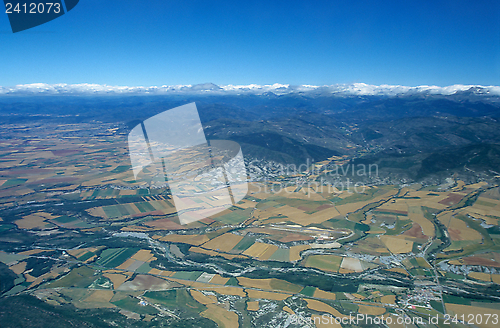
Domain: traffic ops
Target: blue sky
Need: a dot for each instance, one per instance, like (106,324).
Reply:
(158,42)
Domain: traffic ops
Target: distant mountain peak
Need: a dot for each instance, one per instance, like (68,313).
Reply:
(341,90)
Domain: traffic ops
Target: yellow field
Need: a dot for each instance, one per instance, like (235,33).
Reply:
(116,279)
(477,185)
(32,251)
(218,280)
(253,306)
(293,214)
(223,318)
(486,206)
(267,295)
(318,293)
(98,212)
(268,253)
(399,270)
(245,203)
(459,186)
(80,251)
(397,245)
(46,215)
(202,298)
(358,296)
(371,310)
(143,255)
(32,221)
(495,278)
(460,309)
(320,216)
(480,276)
(394,205)
(288,310)
(126,264)
(262,251)
(295,252)
(255,283)
(322,307)
(18,268)
(388,299)
(225,242)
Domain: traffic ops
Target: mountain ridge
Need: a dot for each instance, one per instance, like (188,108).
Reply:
(340,90)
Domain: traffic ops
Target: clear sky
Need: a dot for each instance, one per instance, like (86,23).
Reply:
(158,42)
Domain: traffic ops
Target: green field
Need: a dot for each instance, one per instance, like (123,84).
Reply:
(285,286)
(7,258)
(308,291)
(5,227)
(80,277)
(64,219)
(176,298)
(132,304)
(267,204)
(168,297)
(112,211)
(438,306)
(121,169)
(324,262)
(456,299)
(232,282)
(145,207)
(86,256)
(123,210)
(245,243)
(113,257)
(235,217)
(281,254)
(14,182)
(187,275)
(145,268)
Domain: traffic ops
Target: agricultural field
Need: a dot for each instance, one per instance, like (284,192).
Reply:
(116,244)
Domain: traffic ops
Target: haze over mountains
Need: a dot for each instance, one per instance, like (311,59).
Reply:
(355,89)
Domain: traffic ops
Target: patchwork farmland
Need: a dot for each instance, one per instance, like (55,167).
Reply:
(97,239)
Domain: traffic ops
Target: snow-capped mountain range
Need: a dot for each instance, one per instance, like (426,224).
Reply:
(355,89)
